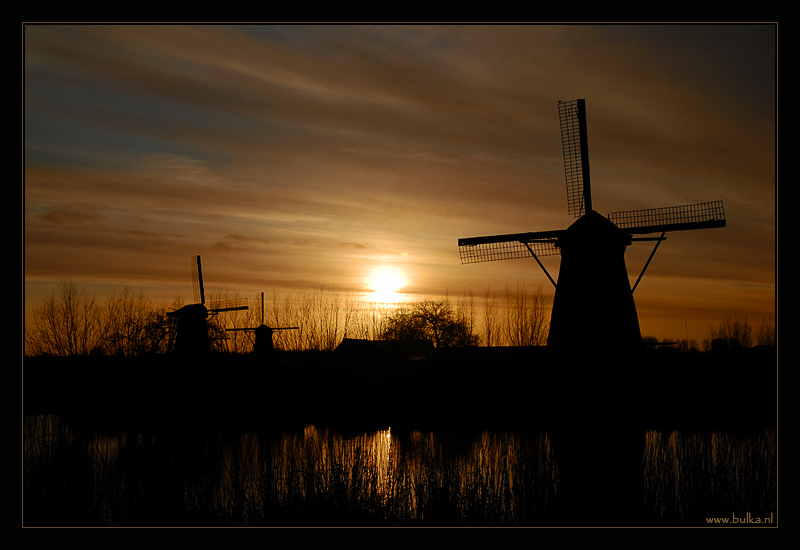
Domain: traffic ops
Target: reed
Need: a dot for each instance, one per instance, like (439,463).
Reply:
(75,476)
(307,477)
(691,476)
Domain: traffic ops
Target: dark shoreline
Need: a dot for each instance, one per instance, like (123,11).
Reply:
(472,387)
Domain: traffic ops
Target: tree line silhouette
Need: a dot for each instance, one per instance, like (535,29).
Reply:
(72,322)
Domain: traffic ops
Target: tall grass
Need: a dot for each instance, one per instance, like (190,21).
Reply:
(72,322)
(691,476)
(313,476)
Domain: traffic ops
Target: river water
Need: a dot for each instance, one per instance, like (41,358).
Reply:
(76,475)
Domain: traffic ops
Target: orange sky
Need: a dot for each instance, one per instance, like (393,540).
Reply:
(291,157)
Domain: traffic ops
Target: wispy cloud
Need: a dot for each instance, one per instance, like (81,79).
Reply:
(294,151)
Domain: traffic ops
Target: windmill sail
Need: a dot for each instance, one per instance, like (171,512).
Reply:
(197,281)
(672,218)
(574,142)
(475,250)
(228,305)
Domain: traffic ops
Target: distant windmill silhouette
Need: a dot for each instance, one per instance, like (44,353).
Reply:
(593,303)
(192,327)
(263,345)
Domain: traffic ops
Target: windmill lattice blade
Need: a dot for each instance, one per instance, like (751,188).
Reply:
(229,305)
(672,218)
(576,157)
(197,281)
(507,247)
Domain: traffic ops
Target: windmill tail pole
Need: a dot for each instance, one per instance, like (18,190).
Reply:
(653,253)
(538,261)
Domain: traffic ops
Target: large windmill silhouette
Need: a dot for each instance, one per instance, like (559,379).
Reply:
(593,303)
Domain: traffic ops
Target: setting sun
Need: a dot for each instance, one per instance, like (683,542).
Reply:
(386,279)
(386,282)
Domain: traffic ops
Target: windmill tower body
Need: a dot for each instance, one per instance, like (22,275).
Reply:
(263,344)
(192,329)
(593,303)
(593,306)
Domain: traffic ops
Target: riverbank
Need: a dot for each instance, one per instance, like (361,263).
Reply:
(472,387)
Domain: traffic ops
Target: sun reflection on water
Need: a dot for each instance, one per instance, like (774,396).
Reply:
(315,474)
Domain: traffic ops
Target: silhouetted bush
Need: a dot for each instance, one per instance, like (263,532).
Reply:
(735,333)
(433,321)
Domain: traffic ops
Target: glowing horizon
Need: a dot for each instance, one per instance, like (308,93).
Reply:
(303,157)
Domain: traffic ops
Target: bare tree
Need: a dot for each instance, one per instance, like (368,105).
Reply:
(156,331)
(366,320)
(766,333)
(465,310)
(490,320)
(736,332)
(321,316)
(329,312)
(284,312)
(66,323)
(126,318)
(526,317)
(432,321)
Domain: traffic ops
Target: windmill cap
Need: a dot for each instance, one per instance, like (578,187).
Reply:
(198,309)
(594,230)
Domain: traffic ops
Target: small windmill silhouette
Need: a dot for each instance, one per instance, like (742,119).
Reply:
(263,344)
(593,303)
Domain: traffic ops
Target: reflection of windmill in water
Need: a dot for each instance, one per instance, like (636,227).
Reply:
(593,302)
(191,335)
(263,345)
